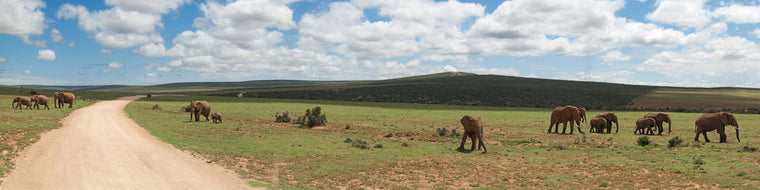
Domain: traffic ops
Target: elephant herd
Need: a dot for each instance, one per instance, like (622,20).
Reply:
(647,124)
(59,99)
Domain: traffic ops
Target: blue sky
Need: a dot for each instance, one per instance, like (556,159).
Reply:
(694,43)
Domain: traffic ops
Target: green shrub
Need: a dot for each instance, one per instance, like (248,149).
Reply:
(187,108)
(360,144)
(404,144)
(348,126)
(675,141)
(348,140)
(442,132)
(698,161)
(389,135)
(741,173)
(749,149)
(284,118)
(156,107)
(313,117)
(379,146)
(643,141)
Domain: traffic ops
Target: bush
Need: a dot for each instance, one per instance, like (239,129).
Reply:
(379,146)
(360,144)
(156,107)
(442,131)
(187,108)
(404,144)
(389,135)
(675,141)
(698,161)
(749,149)
(742,173)
(313,117)
(284,118)
(348,140)
(643,141)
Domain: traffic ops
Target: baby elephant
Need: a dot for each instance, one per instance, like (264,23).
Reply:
(473,128)
(598,124)
(216,116)
(645,123)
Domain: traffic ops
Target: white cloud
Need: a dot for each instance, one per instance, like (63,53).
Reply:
(3,59)
(689,13)
(55,34)
(27,72)
(577,28)
(118,27)
(148,6)
(106,51)
(739,14)
(719,62)
(151,50)
(23,18)
(115,65)
(603,76)
(152,75)
(756,32)
(45,55)
(615,56)
(415,26)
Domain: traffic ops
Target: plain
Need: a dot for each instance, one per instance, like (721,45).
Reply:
(414,154)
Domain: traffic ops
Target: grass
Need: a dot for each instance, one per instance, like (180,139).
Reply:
(521,154)
(699,98)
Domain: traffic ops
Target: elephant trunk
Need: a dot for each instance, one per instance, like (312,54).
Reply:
(737,134)
(669,128)
(617,127)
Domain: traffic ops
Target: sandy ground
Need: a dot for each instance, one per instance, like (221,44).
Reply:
(99,147)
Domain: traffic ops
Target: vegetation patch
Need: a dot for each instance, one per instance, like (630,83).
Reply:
(643,141)
(284,118)
(312,117)
(674,142)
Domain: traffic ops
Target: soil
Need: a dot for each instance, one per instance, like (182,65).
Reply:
(99,147)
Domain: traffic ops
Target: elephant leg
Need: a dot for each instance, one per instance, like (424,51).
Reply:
(659,127)
(696,138)
(474,139)
(482,144)
(704,134)
(550,128)
(572,126)
(722,132)
(464,139)
(564,127)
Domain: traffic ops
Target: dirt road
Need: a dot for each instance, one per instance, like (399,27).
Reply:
(99,147)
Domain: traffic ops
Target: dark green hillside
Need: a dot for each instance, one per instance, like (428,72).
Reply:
(469,89)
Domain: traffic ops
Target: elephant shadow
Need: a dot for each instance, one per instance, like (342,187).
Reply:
(464,150)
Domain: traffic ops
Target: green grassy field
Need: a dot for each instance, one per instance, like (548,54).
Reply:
(521,153)
(700,98)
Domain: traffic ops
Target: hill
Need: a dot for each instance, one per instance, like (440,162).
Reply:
(461,89)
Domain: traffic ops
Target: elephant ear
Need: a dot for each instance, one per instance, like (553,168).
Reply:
(724,118)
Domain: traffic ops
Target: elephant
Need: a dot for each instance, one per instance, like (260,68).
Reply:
(597,124)
(582,111)
(611,117)
(563,115)
(712,121)
(40,100)
(62,98)
(473,128)
(199,108)
(660,117)
(148,95)
(645,123)
(216,116)
(21,101)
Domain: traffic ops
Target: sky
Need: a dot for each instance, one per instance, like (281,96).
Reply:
(688,43)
